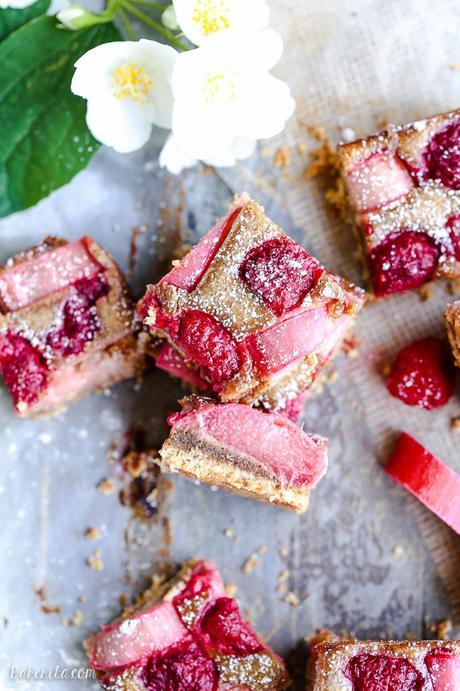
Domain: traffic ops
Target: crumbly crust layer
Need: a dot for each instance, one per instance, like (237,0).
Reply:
(453,329)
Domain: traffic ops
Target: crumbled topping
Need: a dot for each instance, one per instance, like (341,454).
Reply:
(106,486)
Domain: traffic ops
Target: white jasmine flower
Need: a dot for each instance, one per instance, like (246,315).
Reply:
(225,98)
(128,88)
(15,4)
(75,17)
(173,158)
(200,19)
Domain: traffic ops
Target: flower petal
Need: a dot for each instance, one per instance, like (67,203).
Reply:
(173,158)
(124,125)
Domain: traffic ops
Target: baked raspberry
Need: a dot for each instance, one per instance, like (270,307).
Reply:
(226,631)
(383,673)
(441,156)
(181,668)
(205,341)
(453,223)
(23,367)
(422,374)
(281,273)
(405,259)
(79,318)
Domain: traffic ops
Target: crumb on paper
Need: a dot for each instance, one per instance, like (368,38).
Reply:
(441,629)
(426,292)
(228,532)
(92,533)
(123,600)
(332,377)
(455,424)
(282,157)
(398,550)
(231,589)
(350,346)
(75,620)
(455,66)
(263,549)
(44,606)
(283,552)
(250,564)
(95,561)
(385,369)
(82,599)
(106,486)
(291,599)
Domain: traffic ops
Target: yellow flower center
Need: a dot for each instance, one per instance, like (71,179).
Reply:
(220,88)
(211,16)
(131,81)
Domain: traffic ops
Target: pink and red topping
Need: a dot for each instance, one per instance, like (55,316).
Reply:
(428,478)
(23,368)
(187,659)
(170,360)
(423,374)
(444,669)
(281,272)
(300,459)
(441,156)
(453,225)
(379,672)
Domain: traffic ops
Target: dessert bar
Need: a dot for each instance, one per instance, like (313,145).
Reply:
(67,325)
(389,665)
(403,187)
(251,315)
(254,453)
(183,635)
(453,329)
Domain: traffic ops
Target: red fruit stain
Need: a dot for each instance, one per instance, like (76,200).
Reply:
(183,667)
(79,320)
(423,374)
(453,224)
(23,367)
(209,345)
(225,630)
(370,672)
(281,273)
(405,259)
(441,156)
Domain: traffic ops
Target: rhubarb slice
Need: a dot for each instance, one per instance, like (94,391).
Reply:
(247,303)
(402,187)
(426,477)
(444,670)
(171,361)
(263,455)
(185,635)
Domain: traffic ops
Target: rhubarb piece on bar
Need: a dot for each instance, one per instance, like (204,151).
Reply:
(453,329)
(403,187)
(184,635)
(386,665)
(67,325)
(433,482)
(257,454)
(250,312)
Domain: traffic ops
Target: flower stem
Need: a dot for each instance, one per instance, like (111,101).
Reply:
(127,25)
(150,5)
(153,24)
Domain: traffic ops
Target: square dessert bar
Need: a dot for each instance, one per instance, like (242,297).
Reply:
(184,635)
(404,189)
(396,666)
(257,454)
(249,312)
(67,325)
(453,329)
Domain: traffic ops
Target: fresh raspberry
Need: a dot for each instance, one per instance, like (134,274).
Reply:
(183,667)
(226,631)
(383,673)
(80,322)
(453,224)
(405,259)
(209,345)
(423,374)
(23,367)
(441,156)
(281,273)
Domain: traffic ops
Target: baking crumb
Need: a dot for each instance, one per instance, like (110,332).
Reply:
(263,549)
(455,66)
(123,600)
(332,377)
(454,286)
(92,533)
(282,157)
(350,346)
(228,532)
(385,369)
(291,599)
(106,486)
(75,620)
(250,563)
(82,599)
(281,588)
(231,589)
(95,562)
(283,552)
(398,550)
(284,575)
(301,147)
(425,292)
(455,423)
(441,629)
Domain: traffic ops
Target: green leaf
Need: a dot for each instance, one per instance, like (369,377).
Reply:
(10,19)
(45,140)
